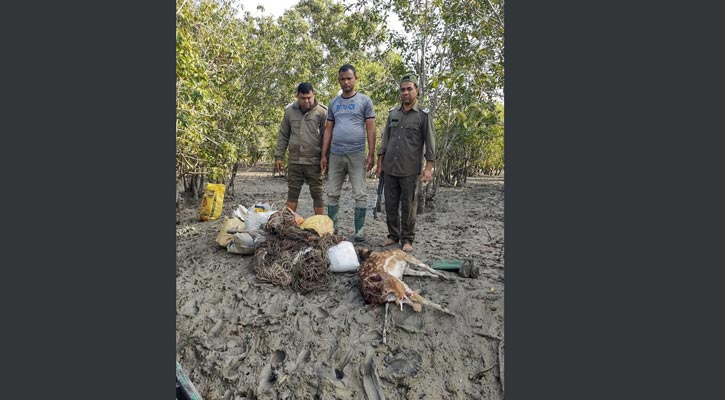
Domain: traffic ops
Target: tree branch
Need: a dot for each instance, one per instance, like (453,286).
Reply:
(495,13)
(180,7)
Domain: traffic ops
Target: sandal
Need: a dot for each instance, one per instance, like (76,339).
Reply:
(407,247)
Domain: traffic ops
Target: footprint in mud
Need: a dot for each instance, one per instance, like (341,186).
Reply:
(341,363)
(292,303)
(278,358)
(353,297)
(301,359)
(302,321)
(214,331)
(409,320)
(231,364)
(267,379)
(365,318)
(371,336)
(371,382)
(401,365)
(190,308)
(320,313)
(275,306)
(341,310)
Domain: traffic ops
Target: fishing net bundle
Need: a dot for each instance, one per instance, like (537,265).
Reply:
(293,257)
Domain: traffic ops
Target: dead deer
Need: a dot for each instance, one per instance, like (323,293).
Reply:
(380,278)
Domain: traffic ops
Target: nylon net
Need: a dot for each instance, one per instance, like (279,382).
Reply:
(292,257)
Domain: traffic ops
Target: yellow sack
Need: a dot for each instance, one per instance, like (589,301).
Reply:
(322,224)
(211,203)
(229,225)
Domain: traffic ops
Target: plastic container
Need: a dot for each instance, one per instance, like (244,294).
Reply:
(343,257)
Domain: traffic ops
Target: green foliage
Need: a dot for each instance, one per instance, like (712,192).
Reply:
(236,72)
(456,46)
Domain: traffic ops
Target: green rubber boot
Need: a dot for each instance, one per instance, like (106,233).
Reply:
(359,223)
(332,213)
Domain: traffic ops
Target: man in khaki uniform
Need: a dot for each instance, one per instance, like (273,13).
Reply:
(301,130)
(407,139)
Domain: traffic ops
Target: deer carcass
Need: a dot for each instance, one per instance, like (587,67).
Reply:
(381,274)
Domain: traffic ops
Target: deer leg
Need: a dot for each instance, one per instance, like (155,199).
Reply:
(414,272)
(420,299)
(385,323)
(417,263)
(425,270)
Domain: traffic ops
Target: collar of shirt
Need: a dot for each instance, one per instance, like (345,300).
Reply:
(297,106)
(415,107)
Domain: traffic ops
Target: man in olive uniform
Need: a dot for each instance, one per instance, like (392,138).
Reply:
(301,130)
(407,139)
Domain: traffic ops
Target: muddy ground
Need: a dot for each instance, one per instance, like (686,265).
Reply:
(239,338)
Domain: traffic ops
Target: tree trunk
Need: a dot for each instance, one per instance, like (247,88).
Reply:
(202,186)
(197,185)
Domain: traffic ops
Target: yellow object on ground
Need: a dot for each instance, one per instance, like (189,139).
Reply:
(322,224)
(211,203)
(229,224)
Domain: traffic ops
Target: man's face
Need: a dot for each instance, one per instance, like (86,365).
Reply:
(347,81)
(305,100)
(408,93)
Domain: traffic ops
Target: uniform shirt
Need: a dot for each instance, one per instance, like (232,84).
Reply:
(303,133)
(349,115)
(405,138)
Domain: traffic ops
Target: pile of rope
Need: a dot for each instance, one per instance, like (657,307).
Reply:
(292,257)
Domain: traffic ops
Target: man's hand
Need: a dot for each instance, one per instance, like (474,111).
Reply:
(323,164)
(369,161)
(278,165)
(427,175)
